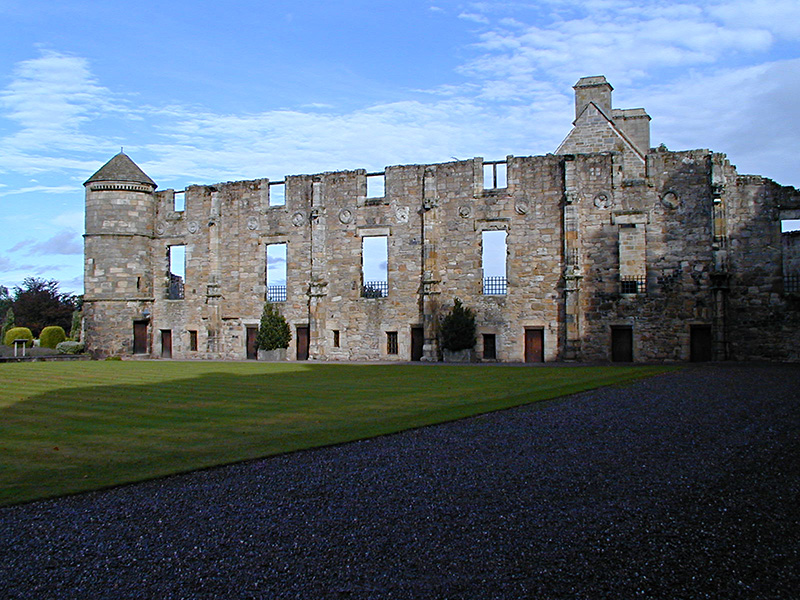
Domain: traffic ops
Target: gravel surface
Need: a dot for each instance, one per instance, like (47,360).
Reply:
(686,485)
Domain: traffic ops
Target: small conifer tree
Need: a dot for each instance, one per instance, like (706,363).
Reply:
(274,331)
(457,329)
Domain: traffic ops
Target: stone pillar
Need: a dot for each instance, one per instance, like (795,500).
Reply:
(572,266)
(318,288)
(431,277)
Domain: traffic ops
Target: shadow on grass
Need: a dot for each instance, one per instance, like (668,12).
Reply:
(74,439)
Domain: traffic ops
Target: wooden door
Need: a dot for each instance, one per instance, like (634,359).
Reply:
(140,337)
(166,343)
(622,344)
(302,342)
(252,351)
(417,342)
(700,343)
(534,345)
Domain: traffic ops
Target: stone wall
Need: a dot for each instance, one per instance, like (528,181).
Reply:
(612,251)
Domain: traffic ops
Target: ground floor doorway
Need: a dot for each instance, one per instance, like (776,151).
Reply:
(622,343)
(700,343)
(534,345)
(302,342)
(417,343)
(166,343)
(252,349)
(140,337)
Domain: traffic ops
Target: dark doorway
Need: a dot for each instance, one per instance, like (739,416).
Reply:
(622,343)
(700,343)
(166,343)
(417,342)
(534,345)
(140,337)
(489,346)
(252,351)
(302,342)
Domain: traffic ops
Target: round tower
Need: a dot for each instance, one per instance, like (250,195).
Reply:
(118,278)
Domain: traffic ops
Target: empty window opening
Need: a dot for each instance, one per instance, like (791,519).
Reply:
(276,272)
(177,271)
(335,338)
(179,204)
(489,346)
(391,342)
(493,261)
(375,266)
(495,174)
(789,225)
(277,193)
(192,341)
(376,185)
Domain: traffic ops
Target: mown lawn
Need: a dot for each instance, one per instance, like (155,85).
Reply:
(71,427)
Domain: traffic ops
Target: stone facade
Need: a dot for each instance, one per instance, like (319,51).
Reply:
(615,251)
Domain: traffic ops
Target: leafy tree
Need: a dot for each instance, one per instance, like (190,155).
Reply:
(5,300)
(274,332)
(7,323)
(39,303)
(457,329)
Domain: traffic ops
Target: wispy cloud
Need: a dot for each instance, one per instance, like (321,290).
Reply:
(64,242)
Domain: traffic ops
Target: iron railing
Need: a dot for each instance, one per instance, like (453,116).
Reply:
(375,289)
(495,286)
(276,293)
(632,284)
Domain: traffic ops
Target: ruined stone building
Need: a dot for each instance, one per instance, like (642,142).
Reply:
(613,251)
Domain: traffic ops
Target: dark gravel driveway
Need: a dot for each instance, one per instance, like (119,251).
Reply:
(682,486)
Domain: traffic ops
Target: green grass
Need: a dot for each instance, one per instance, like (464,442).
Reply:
(71,427)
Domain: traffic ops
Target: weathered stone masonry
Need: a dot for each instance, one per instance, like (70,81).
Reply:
(615,251)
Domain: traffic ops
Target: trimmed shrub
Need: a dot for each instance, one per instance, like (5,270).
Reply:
(18,333)
(70,347)
(52,336)
(457,329)
(274,332)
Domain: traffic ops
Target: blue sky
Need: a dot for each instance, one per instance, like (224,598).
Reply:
(201,92)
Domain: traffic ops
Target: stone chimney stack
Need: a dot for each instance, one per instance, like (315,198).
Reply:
(593,89)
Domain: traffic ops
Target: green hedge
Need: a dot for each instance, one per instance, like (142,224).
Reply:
(51,336)
(70,347)
(18,333)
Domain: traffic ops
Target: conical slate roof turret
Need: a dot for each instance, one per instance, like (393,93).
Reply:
(121,169)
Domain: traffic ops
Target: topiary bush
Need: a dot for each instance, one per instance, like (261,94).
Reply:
(52,336)
(70,347)
(274,331)
(18,333)
(457,330)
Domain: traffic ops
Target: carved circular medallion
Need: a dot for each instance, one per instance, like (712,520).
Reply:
(522,207)
(252,223)
(193,227)
(298,219)
(402,214)
(670,199)
(161,228)
(345,216)
(465,211)
(603,200)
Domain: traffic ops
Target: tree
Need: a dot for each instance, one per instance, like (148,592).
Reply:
(39,303)
(7,323)
(457,329)
(274,332)
(5,300)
